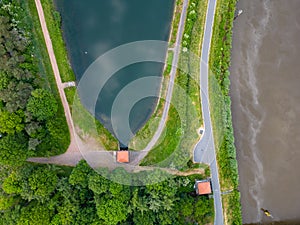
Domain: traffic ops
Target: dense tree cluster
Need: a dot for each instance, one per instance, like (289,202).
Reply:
(27,111)
(51,195)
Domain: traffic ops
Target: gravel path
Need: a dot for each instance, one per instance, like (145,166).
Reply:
(164,118)
(72,155)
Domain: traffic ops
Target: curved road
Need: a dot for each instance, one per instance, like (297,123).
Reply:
(204,151)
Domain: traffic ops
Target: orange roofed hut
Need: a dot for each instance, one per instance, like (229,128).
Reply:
(123,156)
(203,187)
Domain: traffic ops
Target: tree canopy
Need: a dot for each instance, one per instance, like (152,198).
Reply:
(58,195)
(42,104)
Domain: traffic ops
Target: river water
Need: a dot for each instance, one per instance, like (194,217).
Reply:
(93,27)
(265,91)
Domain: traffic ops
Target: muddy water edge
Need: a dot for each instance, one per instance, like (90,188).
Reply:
(265,92)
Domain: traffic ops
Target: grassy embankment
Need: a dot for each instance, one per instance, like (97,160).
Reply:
(221,109)
(145,134)
(83,119)
(45,71)
(180,134)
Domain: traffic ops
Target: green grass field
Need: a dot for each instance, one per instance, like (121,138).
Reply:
(87,125)
(168,141)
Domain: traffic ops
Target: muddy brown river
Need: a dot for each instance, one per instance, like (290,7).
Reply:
(265,91)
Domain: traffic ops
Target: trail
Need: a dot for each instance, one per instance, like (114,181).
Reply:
(72,155)
(164,118)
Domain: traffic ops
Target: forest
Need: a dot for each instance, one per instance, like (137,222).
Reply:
(32,124)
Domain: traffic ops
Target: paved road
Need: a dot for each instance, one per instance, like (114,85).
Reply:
(173,71)
(204,151)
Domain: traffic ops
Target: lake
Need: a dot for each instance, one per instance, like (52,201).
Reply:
(93,27)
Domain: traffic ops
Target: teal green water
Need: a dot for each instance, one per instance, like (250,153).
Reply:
(93,27)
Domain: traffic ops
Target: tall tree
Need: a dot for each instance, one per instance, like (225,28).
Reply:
(11,123)
(13,149)
(80,174)
(42,104)
(42,182)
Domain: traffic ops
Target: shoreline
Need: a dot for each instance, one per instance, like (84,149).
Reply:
(157,112)
(181,150)
(219,62)
(195,45)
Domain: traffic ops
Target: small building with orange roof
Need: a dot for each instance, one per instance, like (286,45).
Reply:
(203,187)
(123,156)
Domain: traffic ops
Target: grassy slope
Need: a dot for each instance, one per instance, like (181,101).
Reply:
(87,124)
(183,131)
(221,111)
(145,134)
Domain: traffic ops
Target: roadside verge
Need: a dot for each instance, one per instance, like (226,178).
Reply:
(219,85)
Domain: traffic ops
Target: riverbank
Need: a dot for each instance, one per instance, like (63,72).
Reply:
(220,57)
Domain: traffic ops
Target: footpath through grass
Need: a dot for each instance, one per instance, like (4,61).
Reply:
(145,134)
(175,146)
(221,108)
(84,120)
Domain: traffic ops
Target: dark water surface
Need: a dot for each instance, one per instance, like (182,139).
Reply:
(93,27)
(265,77)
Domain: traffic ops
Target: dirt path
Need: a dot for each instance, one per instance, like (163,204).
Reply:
(170,171)
(72,155)
(162,123)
